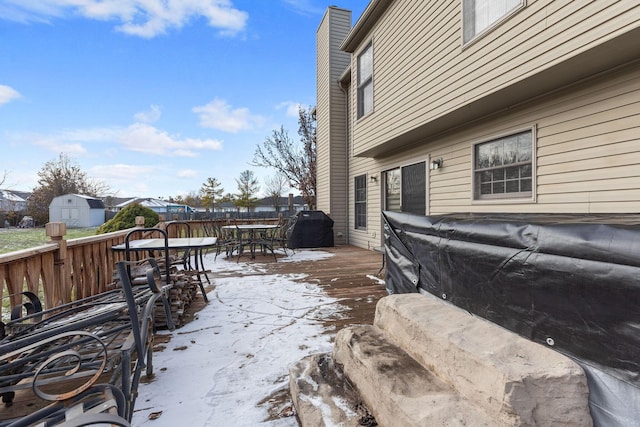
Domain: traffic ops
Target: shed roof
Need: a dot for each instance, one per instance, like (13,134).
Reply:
(93,202)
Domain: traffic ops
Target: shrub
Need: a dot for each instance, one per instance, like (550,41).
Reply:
(126,218)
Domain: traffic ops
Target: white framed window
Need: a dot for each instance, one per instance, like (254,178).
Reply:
(365,81)
(480,15)
(360,209)
(503,167)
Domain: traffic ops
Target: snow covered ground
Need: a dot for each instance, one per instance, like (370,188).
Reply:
(227,367)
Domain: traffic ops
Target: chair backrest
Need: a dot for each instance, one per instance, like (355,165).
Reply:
(180,226)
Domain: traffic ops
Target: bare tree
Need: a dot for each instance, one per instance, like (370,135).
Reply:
(275,187)
(296,161)
(192,199)
(247,188)
(59,177)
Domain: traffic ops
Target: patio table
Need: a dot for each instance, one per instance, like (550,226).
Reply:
(251,231)
(195,245)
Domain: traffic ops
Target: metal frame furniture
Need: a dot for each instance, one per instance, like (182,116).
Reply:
(191,245)
(252,236)
(74,353)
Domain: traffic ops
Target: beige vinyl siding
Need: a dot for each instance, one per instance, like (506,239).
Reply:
(341,23)
(322,115)
(422,72)
(587,151)
(331,120)
(370,237)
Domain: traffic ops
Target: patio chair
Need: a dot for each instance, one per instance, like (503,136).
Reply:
(253,239)
(282,234)
(183,229)
(226,242)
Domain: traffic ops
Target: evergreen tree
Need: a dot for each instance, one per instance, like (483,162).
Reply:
(247,188)
(210,192)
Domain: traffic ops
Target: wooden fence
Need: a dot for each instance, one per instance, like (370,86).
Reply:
(62,270)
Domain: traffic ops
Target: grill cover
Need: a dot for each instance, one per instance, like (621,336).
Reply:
(313,229)
(570,282)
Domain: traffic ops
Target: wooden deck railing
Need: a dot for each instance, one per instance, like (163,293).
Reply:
(62,270)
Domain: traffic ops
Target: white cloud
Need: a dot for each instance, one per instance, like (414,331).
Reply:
(122,172)
(221,116)
(71,142)
(304,7)
(145,138)
(185,153)
(138,137)
(187,173)
(150,116)
(291,108)
(8,94)
(56,145)
(143,18)
(127,179)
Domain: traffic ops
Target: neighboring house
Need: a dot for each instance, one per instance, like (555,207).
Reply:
(77,211)
(111,203)
(156,205)
(436,107)
(13,201)
(267,204)
(225,207)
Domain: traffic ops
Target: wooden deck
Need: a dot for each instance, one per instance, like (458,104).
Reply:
(349,275)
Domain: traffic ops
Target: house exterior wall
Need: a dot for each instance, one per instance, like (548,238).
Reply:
(587,151)
(425,78)
(543,68)
(331,120)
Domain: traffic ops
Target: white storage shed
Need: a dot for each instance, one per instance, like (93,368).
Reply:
(77,211)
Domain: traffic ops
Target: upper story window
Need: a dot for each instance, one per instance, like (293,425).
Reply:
(365,81)
(503,167)
(479,15)
(361,202)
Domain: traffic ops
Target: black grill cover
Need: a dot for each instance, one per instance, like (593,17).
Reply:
(313,229)
(570,282)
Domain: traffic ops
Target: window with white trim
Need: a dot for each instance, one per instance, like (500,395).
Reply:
(365,81)
(360,198)
(502,167)
(479,15)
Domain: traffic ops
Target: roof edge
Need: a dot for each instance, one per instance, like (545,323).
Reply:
(365,23)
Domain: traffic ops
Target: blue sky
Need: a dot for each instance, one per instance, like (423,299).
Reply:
(152,96)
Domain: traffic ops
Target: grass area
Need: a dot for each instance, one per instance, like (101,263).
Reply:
(14,239)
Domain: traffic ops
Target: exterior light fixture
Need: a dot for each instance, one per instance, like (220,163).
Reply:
(373,178)
(436,164)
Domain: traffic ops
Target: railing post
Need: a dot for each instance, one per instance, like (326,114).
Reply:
(140,221)
(59,293)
